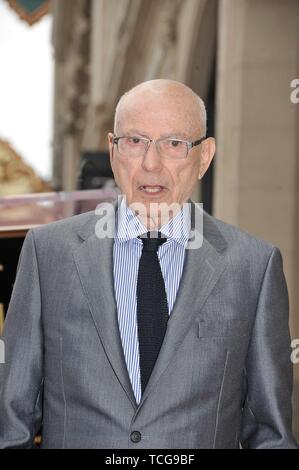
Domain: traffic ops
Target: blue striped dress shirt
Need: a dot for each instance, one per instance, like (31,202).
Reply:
(127,250)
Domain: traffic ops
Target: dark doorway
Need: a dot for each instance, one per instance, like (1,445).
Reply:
(208,179)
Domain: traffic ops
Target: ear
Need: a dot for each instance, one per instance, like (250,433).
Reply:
(207,153)
(111,147)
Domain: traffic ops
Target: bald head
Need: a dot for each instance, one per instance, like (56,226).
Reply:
(162,92)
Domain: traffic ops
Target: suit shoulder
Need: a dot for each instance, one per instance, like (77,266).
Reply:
(64,228)
(237,238)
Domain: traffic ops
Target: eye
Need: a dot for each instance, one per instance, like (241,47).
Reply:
(134,140)
(175,143)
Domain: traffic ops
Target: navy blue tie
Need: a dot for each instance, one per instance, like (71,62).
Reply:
(152,308)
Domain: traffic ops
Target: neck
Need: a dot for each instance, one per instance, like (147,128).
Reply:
(156,221)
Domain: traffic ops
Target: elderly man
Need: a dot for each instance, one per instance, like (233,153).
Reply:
(143,338)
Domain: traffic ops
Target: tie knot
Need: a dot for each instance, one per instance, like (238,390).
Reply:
(152,240)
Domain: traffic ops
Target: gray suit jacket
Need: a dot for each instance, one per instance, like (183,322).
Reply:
(223,376)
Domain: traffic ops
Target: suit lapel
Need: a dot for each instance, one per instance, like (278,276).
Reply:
(94,262)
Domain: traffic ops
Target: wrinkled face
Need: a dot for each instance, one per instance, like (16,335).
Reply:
(150,178)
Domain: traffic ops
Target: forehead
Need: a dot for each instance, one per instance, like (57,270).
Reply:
(161,113)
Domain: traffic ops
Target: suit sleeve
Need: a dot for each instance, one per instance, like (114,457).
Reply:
(21,375)
(267,412)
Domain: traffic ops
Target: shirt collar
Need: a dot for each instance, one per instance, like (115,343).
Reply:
(129,227)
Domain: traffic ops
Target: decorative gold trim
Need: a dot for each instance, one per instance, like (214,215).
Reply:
(16,176)
(1,318)
(30,18)
(15,232)
(38,440)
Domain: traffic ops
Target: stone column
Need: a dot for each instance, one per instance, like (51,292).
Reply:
(71,30)
(257,167)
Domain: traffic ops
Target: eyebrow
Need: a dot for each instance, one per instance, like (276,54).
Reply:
(176,135)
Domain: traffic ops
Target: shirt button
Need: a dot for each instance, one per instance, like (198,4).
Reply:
(135,436)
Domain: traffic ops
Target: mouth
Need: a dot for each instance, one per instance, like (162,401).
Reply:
(152,190)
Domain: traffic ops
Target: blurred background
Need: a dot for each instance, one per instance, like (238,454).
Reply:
(65,63)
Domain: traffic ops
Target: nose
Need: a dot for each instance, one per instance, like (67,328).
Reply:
(151,160)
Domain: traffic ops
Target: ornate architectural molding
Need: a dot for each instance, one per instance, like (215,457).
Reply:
(31,12)
(16,177)
(71,41)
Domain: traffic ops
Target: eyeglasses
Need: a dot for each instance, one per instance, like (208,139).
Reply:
(136,147)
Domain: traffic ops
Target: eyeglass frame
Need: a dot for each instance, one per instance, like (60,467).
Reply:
(190,145)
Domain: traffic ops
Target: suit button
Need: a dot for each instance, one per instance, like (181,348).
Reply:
(135,436)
